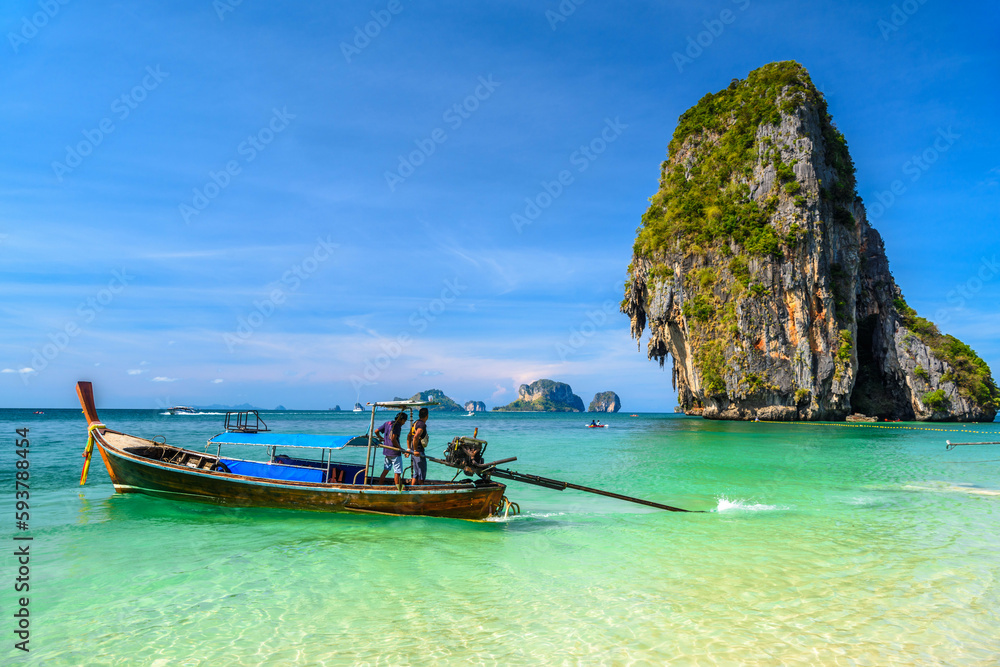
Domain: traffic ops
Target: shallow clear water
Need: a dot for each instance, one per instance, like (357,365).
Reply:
(826,544)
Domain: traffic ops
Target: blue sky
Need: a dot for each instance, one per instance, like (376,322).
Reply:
(196,209)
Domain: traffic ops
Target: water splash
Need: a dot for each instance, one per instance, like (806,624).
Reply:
(727,505)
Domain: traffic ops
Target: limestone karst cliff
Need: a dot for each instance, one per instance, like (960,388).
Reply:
(756,270)
(445,404)
(605,401)
(544,396)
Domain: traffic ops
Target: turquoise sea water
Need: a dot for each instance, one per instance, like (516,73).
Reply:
(826,544)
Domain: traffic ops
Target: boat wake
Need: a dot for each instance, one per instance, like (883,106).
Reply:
(727,505)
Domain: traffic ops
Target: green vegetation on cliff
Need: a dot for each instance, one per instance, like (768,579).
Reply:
(436,395)
(538,405)
(968,371)
(544,396)
(704,201)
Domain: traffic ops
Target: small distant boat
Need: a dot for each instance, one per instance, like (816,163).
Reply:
(469,414)
(358,408)
(597,425)
(181,410)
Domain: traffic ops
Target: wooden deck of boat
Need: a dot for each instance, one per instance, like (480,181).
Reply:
(133,472)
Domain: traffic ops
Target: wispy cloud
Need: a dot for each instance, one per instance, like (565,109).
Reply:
(135,371)
(218,381)
(431,373)
(23,370)
(160,378)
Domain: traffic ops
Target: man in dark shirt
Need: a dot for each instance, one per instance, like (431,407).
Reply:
(417,442)
(393,457)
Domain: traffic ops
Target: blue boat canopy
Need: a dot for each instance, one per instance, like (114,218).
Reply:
(308,440)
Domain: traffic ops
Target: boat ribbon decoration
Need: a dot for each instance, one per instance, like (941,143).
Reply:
(89,450)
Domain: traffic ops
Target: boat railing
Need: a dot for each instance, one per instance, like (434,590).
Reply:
(245,421)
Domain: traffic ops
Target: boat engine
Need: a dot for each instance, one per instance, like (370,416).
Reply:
(466,453)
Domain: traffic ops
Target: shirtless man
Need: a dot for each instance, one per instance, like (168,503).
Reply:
(417,442)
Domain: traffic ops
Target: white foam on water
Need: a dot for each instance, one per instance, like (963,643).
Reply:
(948,487)
(727,505)
(530,515)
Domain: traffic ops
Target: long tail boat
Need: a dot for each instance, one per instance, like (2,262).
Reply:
(141,465)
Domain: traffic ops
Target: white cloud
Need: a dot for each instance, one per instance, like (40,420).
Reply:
(431,373)
(217,380)
(135,371)
(160,378)
(501,390)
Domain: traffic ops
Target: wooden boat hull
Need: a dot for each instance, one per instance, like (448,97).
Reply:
(132,473)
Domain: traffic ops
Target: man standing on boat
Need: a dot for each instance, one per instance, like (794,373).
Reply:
(393,457)
(417,442)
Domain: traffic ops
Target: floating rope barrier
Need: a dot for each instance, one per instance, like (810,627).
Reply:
(885,426)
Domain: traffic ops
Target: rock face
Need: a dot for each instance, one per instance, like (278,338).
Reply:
(606,401)
(544,396)
(475,406)
(447,404)
(756,270)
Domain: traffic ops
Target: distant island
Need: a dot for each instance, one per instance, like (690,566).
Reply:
(438,396)
(475,406)
(544,396)
(605,401)
(756,270)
